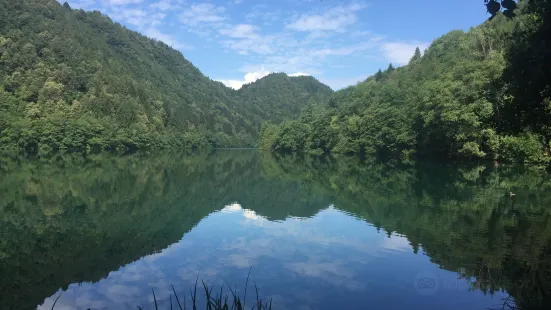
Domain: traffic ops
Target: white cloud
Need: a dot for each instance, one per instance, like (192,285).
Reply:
(343,51)
(340,83)
(122,2)
(335,19)
(400,53)
(250,77)
(163,5)
(244,39)
(299,74)
(260,12)
(309,58)
(202,13)
(248,45)
(139,16)
(240,31)
(311,42)
(167,39)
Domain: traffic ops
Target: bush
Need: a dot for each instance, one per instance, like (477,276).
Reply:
(523,148)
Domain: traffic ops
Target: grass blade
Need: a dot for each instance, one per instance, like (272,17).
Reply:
(258,302)
(155,300)
(207,295)
(55,302)
(246,284)
(194,296)
(177,300)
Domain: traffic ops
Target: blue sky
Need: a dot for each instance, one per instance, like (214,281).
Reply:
(339,42)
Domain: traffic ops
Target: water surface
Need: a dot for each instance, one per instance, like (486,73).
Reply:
(319,233)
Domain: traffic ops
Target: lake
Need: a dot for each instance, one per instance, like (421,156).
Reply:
(315,233)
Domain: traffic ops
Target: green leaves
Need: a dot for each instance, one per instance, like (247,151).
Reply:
(450,102)
(66,66)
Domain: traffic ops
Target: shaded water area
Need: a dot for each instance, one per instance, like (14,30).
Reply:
(319,233)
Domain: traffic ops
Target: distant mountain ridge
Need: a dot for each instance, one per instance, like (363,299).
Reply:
(274,96)
(77,80)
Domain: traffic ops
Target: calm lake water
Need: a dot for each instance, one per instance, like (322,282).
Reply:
(319,233)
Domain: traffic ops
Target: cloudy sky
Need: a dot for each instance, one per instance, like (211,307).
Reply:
(337,41)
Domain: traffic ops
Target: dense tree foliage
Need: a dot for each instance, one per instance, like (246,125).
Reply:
(484,93)
(495,6)
(71,79)
(278,97)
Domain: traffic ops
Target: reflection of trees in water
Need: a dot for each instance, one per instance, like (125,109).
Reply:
(72,219)
(462,216)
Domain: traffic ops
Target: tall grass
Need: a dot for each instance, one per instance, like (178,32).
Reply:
(221,300)
(229,300)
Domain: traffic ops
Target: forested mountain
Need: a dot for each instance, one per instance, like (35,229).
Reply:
(75,79)
(484,93)
(274,97)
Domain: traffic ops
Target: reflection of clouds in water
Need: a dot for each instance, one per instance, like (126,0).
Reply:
(188,274)
(396,243)
(327,247)
(251,215)
(248,214)
(119,293)
(320,269)
(240,261)
(234,207)
(332,272)
(314,246)
(244,252)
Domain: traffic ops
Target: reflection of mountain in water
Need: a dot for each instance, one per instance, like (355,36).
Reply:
(463,216)
(72,219)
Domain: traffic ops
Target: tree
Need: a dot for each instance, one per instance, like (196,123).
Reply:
(70,69)
(453,103)
(416,55)
(528,72)
(379,75)
(494,7)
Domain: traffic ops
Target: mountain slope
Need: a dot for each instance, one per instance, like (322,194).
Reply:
(453,101)
(74,79)
(275,96)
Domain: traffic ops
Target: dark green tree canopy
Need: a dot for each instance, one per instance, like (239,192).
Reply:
(71,79)
(495,6)
(416,55)
(484,93)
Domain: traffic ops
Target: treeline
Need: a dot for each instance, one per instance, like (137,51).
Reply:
(71,79)
(484,93)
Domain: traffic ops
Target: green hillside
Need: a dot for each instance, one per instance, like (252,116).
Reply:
(484,93)
(77,80)
(275,96)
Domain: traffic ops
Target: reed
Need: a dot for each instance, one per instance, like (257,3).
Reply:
(221,300)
